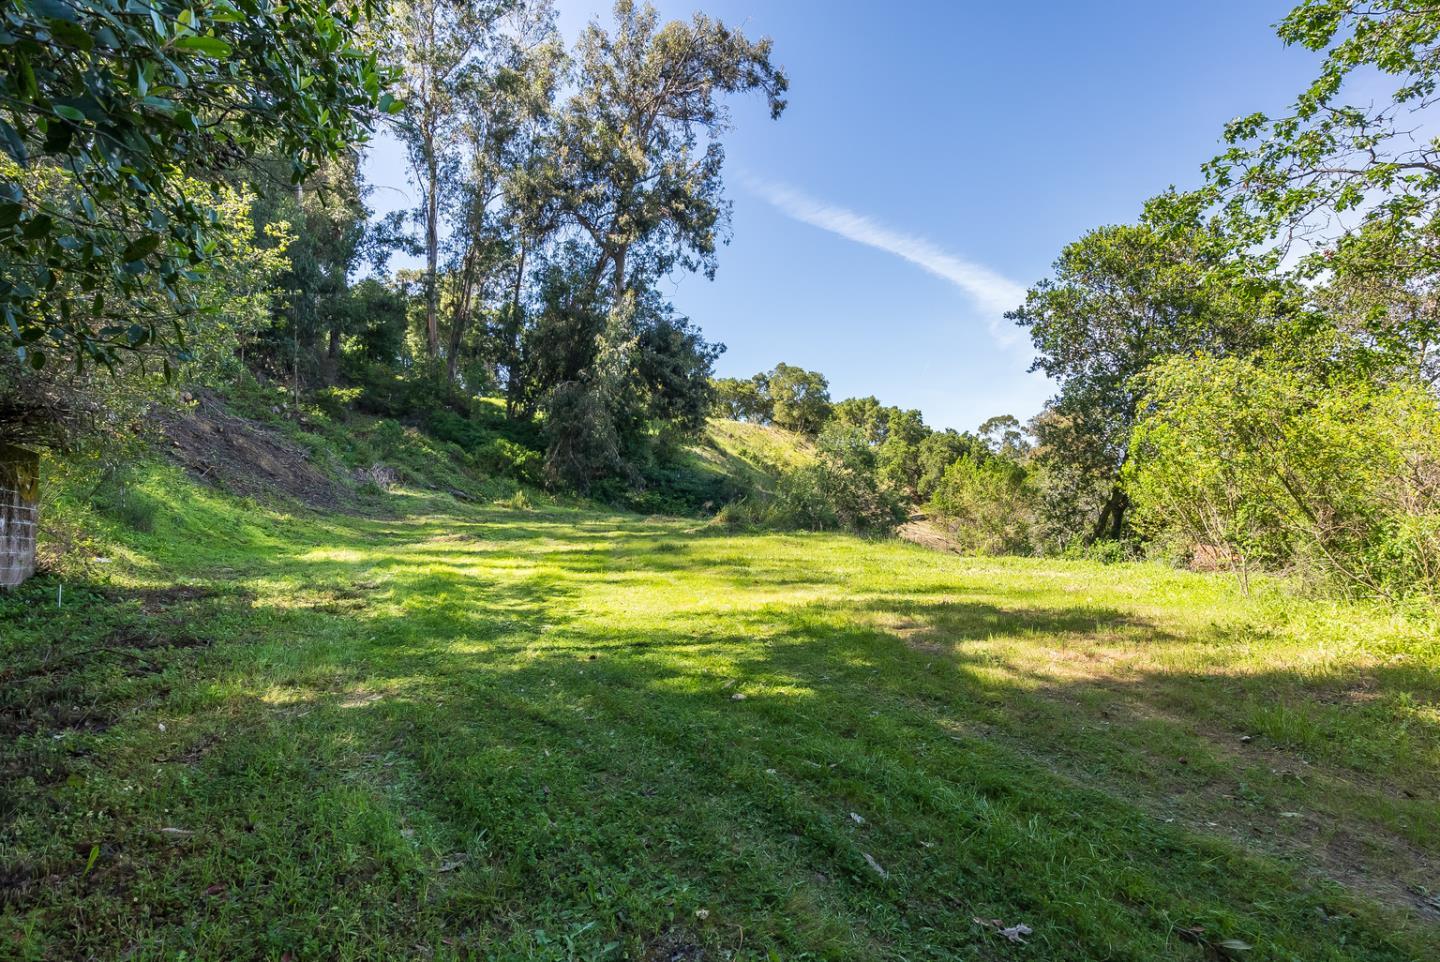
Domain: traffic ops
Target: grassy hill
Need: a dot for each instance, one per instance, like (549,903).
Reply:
(414,726)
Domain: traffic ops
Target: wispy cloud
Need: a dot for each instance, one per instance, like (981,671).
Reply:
(991,292)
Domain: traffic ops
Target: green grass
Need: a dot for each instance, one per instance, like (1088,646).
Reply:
(466,731)
(749,457)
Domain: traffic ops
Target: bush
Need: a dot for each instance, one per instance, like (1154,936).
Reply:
(840,490)
(336,401)
(487,449)
(1264,466)
(988,505)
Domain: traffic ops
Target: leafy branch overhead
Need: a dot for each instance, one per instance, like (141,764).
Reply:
(121,121)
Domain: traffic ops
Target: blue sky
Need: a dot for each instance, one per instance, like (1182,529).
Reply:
(934,159)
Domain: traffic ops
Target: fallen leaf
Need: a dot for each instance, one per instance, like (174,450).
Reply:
(856,819)
(879,869)
(217,888)
(738,696)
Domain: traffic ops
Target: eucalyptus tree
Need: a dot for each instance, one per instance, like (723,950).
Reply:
(506,97)
(636,162)
(433,45)
(633,170)
(327,238)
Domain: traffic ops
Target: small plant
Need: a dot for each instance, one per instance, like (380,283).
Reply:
(117,499)
(519,501)
(337,401)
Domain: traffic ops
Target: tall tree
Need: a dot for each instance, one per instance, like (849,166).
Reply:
(1120,298)
(800,399)
(628,167)
(506,95)
(327,239)
(432,45)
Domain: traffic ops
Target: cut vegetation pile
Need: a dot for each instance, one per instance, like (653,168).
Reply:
(482,731)
(243,457)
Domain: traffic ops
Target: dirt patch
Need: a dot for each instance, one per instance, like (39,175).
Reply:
(927,534)
(156,600)
(676,945)
(246,458)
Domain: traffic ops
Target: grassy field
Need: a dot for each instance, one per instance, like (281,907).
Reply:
(446,731)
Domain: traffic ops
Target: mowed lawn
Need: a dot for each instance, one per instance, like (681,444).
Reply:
(463,732)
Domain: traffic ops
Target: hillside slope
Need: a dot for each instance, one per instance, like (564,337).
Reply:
(435,729)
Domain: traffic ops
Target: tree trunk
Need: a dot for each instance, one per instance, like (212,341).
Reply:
(432,250)
(461,320)
(513,383)
(620,274)
(1111,523)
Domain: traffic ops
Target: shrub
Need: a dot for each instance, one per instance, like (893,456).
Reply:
(841,489)
(1265,466)
(336,401)
(487,449)
(988,505)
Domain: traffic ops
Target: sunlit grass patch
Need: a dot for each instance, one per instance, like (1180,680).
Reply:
(461,731)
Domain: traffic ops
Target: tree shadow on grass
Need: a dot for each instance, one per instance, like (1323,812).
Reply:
(489,765)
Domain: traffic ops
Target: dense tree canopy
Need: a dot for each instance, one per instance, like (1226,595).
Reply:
(120,122)
(1121,298)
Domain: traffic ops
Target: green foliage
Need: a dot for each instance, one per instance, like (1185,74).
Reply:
(636,163)
(336,401)
(987,505)
(840,490)
(73,404)
(934,455)
(117,497)
(327,238)
(744,399)
(129,101)
(1265,464)
(490,450)
(1120,298)
(799,399)
(1283,175)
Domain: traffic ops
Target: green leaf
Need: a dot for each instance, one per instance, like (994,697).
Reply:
(141,247)
(37,227)
(94,849)
(73,34)
(13,145)
(210,46)
(69,113)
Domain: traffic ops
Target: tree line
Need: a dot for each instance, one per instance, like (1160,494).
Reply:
(183,200)
(1247,374)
